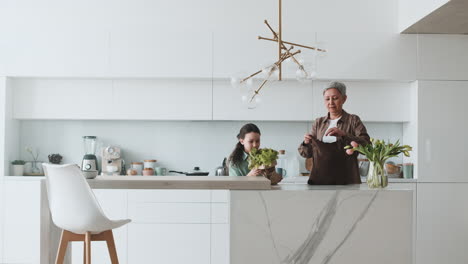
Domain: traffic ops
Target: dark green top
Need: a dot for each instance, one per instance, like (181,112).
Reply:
(241,169)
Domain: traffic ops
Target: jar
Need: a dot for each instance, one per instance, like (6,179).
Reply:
(148,172)
(138,166)
(131,172)
(149,164)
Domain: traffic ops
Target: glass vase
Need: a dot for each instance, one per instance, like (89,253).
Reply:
(376,177)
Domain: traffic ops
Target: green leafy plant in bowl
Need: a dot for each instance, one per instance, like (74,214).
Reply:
(262,158)
(18,162)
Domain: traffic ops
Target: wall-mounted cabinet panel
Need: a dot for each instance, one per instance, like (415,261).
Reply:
(240,53)
(163,99)
(62,99)
(442,214)
(22,221)
(287,100)
(442,57)
(442,112)
(169,243)
(152,52)
(112,99)
(58,52)
(384,56)
(371,101)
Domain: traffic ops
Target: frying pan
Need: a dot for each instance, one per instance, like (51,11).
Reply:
(200,173)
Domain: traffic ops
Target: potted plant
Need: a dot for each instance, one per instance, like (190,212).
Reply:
(18,167)
(55,158)
(378,152)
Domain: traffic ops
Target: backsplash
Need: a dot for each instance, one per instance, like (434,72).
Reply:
(177,145)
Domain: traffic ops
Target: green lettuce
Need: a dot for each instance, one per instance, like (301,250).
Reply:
(266,157)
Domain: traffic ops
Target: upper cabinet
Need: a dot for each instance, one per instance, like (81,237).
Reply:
(372,56)
(286,100)
(371,101)
(442,112)
(143,99)
(442,57)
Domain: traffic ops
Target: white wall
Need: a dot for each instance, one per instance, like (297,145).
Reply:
(411,11)
(178,145)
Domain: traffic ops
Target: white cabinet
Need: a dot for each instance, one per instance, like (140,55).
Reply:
(144,99)
(178,226)
(360,56)
(61,98)
(442,214)
(169,243)
(371,101)
(163,99)
(442,57)
(286,100)
(220,244)
(113,203)
(22,223)
(442,112)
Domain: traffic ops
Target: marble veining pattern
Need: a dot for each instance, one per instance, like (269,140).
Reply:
(325,226)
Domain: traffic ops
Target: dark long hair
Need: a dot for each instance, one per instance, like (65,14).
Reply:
(237,154)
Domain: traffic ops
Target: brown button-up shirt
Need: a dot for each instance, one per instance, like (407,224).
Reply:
(355,131)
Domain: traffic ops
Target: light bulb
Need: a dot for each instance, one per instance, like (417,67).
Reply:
(249,82)
(312,75)
(235,82)
(301,75)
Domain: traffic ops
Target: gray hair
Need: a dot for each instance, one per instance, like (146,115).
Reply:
(341,87)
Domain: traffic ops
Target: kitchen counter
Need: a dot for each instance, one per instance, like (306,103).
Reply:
(180,182)
(331,224)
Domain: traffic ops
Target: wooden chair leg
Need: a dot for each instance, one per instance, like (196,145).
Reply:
(87,245)
(111,246)
(62,250)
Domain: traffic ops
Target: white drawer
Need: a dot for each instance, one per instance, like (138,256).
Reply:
(220,196)
(174,213)
(220,213)
(170,196)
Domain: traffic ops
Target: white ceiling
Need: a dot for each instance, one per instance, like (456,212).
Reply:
(451,18)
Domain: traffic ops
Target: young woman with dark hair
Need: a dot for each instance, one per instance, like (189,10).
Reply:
(248,138)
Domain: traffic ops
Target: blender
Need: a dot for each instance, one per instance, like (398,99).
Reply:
(89,163)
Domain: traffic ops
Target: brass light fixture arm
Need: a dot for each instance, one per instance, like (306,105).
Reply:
(294,44)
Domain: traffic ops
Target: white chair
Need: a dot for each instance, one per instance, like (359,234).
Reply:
(75,210)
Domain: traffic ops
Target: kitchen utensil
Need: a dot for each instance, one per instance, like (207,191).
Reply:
(89,163)
(222,170)
(195,172)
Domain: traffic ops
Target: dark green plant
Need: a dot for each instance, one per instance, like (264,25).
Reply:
(55,158)
(18,162)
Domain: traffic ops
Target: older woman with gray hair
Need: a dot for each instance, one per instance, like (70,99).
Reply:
(330,134)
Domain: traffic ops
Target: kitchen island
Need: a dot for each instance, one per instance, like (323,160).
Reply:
(245,220)
(222,220)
